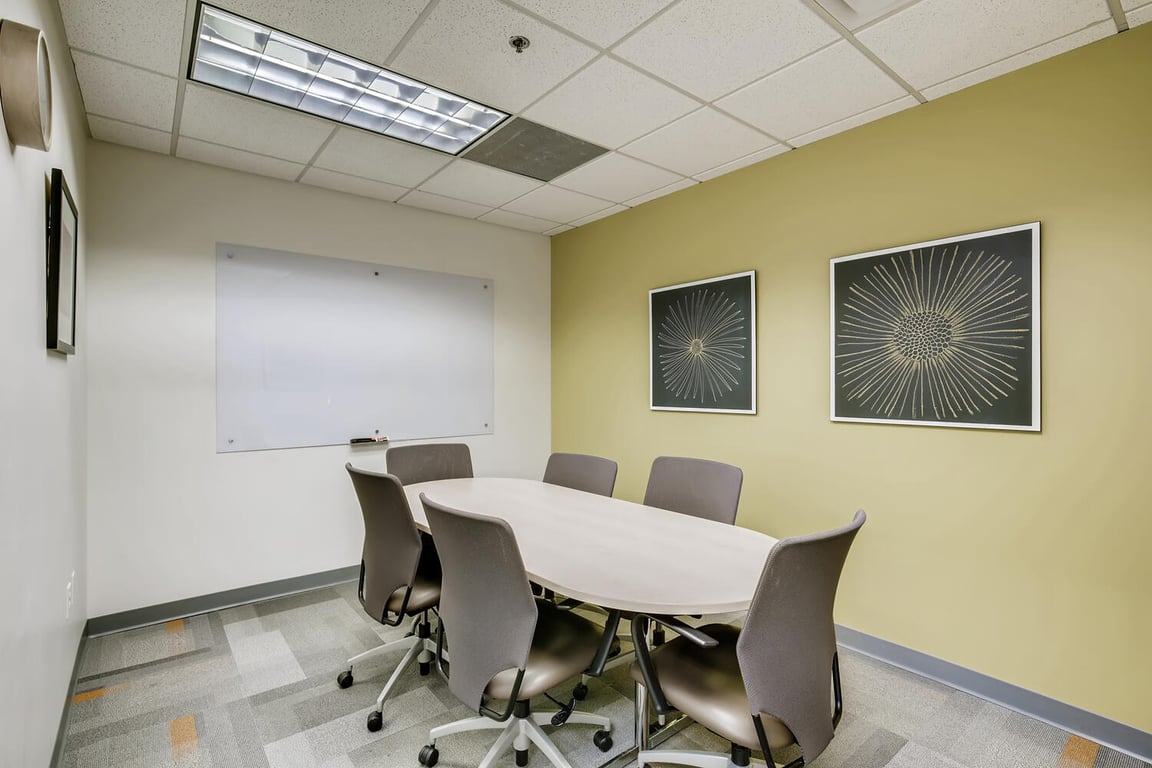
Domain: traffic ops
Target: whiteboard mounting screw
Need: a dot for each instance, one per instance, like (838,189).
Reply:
(519,42)
(230,441)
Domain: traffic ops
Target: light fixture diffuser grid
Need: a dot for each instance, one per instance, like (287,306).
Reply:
(245,57)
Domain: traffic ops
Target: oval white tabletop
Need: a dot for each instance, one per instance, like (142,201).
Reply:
(611,552)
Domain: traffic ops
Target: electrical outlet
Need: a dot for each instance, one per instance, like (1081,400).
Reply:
(68,591)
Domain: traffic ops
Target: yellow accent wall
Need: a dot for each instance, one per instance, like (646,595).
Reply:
(1025,556)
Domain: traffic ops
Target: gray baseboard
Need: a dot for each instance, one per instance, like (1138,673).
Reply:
(1118,736)
(192,606)
(62,731)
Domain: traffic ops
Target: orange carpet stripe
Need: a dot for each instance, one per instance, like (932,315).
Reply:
(182,733)
(1078,751)
(174,626)
(96,693)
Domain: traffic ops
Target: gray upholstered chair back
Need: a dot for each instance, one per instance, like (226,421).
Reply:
(429,461)
(487,611)
(391,540)
(696,487)
(582,472)
(788,641)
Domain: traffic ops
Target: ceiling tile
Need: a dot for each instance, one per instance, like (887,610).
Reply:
(463,46)
(129,135)
(1139,16)
(835,83)
(146,33)
(479,184)
(683,184)
(599,215)
(366,29)
(601,21)
(840,126)
(518,221)
(125,93)
(555,204)
(702,140)
(342,182)
(375,157)
(711,48)
(559,229)
(589,105)
(430,202)
(1131,5)
(1031,56)
(213,154)
(616,177)
(937,40)
(241,122)
(735,165)
(854,14)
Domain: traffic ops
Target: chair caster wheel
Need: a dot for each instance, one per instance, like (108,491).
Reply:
(580,692)
(375,721)
(344,679)
(602,740)
(429,755)
(425,668)
(521,758)
(658,636)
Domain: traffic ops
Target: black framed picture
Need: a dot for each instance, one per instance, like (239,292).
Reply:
(940,333)
(702,345)
(62,246)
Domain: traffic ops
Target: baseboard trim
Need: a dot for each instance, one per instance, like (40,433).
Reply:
(1110,733)
(62,731)
(192,606)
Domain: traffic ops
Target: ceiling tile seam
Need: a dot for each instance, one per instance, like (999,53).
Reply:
(640,27)
(400,201)
(599,55)
(1097,23)
(1118,15)
(607,204)
(848,35)
(258,154)
(323,145)
(692,177)
(553,25)
(182,81)
(843,119)
(883,17)
(137,67)
(125,122)
(407,38)
(648,163)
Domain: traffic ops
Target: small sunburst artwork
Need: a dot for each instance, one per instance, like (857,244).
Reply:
(941,333)
(702,339)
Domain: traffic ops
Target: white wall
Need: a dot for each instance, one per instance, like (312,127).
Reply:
(168,517)
(42,425)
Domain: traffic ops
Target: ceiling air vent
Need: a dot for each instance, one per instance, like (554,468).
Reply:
(533,150)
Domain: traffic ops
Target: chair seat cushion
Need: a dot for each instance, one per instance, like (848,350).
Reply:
(563,646)
(706,685)
(425,595)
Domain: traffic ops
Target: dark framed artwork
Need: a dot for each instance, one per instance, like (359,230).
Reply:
(943,333)
(62,240)
(702,345)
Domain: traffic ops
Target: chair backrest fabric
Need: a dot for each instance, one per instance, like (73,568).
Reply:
(429,461)
(392,545)
(696,487)
(788,641)
(582,472)
(487,611)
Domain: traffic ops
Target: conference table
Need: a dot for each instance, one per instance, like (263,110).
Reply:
(614,553)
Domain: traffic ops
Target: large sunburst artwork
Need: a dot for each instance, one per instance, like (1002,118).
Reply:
(944,332)
(703,351)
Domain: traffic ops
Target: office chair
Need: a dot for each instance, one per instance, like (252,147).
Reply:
(582,472)
(399,577)
(506,645)
(764,687)
(696,487)
(429,461)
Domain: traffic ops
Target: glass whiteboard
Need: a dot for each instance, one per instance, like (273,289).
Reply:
(320,351)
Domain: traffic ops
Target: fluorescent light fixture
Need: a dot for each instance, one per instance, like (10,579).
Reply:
(245,57)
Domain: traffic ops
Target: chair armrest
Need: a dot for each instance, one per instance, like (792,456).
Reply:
(644,654)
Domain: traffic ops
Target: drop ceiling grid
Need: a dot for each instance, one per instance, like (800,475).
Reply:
(617,178)
(125,93)
(238,159)
(358,153)
(221,118)
(138,32)
(118,132)
(478,184)
(698,142)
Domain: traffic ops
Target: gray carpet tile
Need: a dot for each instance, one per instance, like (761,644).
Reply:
(254,686)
